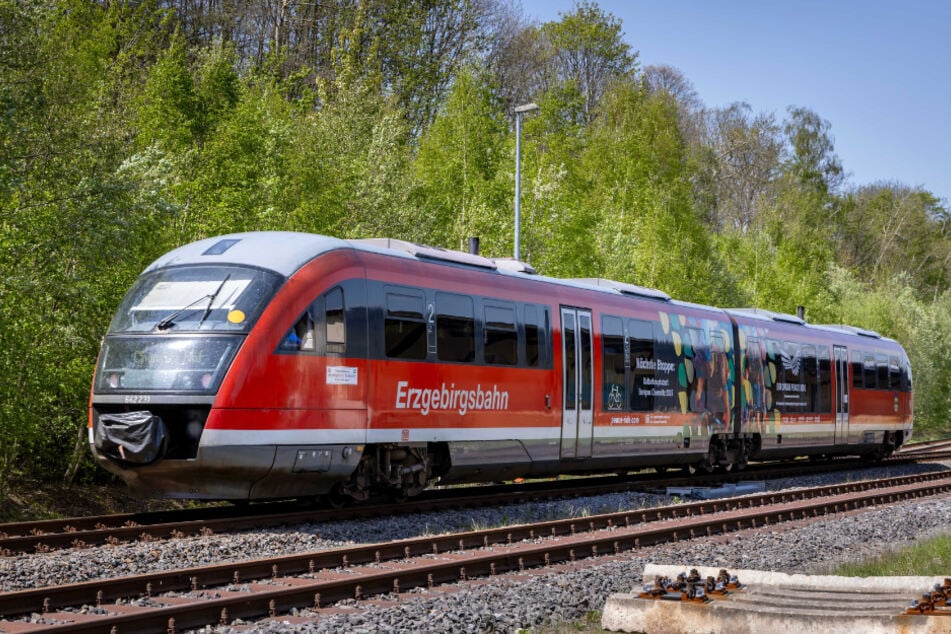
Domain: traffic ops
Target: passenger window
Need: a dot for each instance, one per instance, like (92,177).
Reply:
(405,325)
(536,333)
(501,338)
(612,357)
(706,382)
(868,370)
(894,374)
(756,371)
(810,378)
(531,337)
(881,362)
(334,316)
(825,381)
(857,370)
(640,339)
(718,396)
(455,328)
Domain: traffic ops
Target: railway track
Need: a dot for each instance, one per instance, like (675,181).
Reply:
(82,532)
(941,444)
(170,601)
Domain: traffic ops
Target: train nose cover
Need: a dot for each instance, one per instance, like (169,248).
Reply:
(132,437)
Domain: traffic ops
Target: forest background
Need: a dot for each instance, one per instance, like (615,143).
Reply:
(128,128)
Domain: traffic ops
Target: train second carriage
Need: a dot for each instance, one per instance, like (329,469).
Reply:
(273,364)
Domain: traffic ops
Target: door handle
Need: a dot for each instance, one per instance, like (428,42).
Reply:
(548,401)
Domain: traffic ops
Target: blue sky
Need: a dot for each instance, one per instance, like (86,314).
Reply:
(877,71)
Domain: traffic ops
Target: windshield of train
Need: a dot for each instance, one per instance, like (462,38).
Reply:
(191,363)
(195,298)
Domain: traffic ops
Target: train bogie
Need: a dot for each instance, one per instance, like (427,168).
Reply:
(272,365)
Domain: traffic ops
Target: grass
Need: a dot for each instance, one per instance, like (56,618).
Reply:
(927,558)
(22,500)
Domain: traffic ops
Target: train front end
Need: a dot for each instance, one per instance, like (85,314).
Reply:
(168,350)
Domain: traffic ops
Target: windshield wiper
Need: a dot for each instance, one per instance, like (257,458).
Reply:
(167,322)
(211,300)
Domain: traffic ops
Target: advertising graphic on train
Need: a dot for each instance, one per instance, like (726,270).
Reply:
(783,381)
(679,365)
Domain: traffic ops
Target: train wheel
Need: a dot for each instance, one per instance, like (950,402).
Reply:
(336,498)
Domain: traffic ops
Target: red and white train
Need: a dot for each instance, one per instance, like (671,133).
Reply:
(270,365)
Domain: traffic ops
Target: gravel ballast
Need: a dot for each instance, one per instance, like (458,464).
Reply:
(506,603)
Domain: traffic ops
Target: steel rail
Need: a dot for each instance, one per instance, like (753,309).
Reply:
(46,535)
(625,530)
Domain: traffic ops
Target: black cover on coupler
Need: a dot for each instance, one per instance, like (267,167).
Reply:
(134,437)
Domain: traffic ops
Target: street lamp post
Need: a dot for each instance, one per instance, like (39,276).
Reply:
(519,111)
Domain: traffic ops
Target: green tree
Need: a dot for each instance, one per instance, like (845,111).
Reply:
(349,168)
(67,230)
(588,49)
(648,231)
(463,169)
(889,228)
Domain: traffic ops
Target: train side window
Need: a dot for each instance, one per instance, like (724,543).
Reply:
(881,364)
(718,397)
(774,352)
(894,374)
(405,325)
(667,360)
(857,369)
(810,377)
(532,339)
(500,336)
(756,370)
(455,328)
(612,358)
(906,375)
(536,336)
(334,319)
(301,336)
(640,341)
(825,381)
(707,382)
(868,371)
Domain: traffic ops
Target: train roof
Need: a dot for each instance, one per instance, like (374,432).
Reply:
(766,315)
(285,252)
(281,251)
(840,329)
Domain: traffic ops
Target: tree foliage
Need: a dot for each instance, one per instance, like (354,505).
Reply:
(127,128)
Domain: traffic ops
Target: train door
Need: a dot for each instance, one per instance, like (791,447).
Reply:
(577,422)
(841,394)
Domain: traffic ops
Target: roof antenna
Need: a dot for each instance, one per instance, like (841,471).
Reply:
(801,312)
